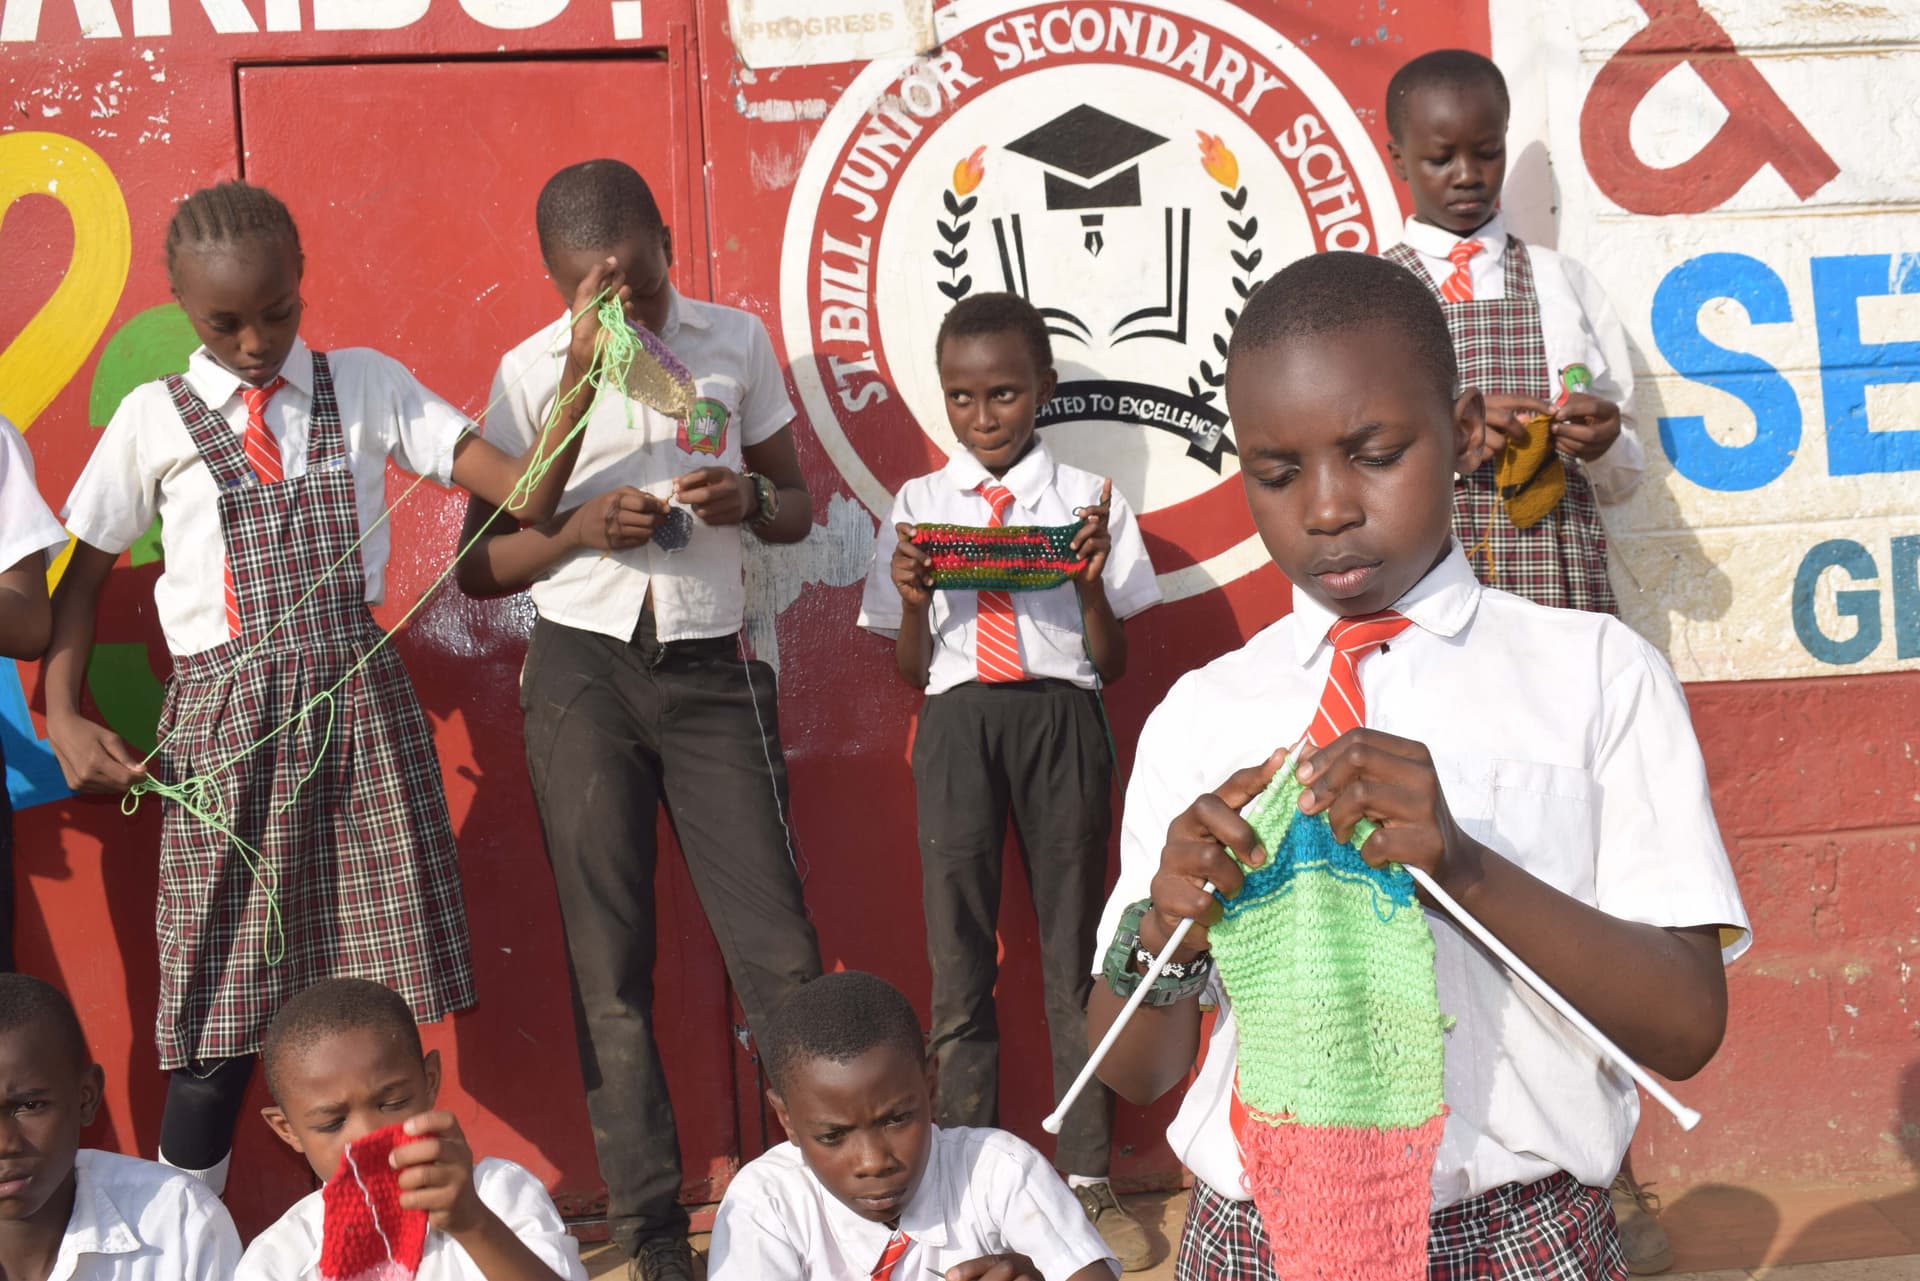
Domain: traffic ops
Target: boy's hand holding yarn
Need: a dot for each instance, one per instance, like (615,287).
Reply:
(1196,854)
(1390,781)
(1094,540)
(436,1175)
(616,520)
(912,570)
(717,495)
(585,310)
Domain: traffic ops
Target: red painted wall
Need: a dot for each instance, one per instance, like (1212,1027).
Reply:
(412,157)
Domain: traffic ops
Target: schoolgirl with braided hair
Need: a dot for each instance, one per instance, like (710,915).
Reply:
(1012,724)
(306,835)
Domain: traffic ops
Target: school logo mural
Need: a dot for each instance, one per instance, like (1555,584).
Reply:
(1133,171)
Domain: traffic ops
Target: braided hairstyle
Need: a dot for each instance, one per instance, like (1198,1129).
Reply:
(227,214)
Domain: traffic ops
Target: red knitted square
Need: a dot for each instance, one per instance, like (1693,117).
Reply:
(365,1235)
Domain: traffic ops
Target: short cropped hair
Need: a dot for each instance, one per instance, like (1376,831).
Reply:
(1441,69)
(997,313)
(838,1017)
(28,1002)
(593,205)
(227,214)
(328,1008)
(1335,293)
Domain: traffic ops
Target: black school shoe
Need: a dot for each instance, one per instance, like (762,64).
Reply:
(662,1259)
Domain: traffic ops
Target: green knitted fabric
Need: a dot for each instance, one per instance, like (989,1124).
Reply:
(1329,963)
(1003,558)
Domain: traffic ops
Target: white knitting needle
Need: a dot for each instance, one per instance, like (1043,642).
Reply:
(1686,1116)
(1058,1116)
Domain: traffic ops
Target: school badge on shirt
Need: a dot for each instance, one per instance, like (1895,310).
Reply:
(704,429)
(1194,151)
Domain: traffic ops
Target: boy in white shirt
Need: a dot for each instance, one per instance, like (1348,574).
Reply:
(68,1214)
(1537,763)
(1012,723)
(867,1188)
(636,691)
(29,532)
(343,1060)
(1522,316)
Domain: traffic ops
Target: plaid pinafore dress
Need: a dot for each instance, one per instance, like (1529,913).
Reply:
(358,874)
(1562,560)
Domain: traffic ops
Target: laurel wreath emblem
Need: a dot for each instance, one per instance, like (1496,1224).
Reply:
(960,202)
(1224,168)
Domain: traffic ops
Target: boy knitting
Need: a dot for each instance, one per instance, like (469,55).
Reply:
(867,1188)
(1537,763)
(343,1061)
(1532,330)
(81,1215)
(1012,722)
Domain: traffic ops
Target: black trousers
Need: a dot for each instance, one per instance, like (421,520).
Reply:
(1035,751)
(614,730)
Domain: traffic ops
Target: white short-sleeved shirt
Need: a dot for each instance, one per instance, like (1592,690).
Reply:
(1562,742)
(1577,325)
(290,1249)
(983,1192)
(1045,492)
(146,464)
(699,591)
(134,1220)
(27,524)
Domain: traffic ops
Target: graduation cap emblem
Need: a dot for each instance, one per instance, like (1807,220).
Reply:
(1093,163)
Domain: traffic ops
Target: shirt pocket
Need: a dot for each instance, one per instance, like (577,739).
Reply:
(1055,615)
(710,433)
(1543,818)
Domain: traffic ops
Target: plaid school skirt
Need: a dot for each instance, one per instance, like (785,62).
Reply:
(356,873)
(1557,1229)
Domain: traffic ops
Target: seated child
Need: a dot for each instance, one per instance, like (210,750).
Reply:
(81,1215)
(868,1188)
(1537,763)
(342,1060)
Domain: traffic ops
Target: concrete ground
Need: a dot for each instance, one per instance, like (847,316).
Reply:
(1719,1233)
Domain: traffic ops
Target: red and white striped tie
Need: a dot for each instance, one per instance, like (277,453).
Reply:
(1459,286)
(996,639)
(263,455)
(883,1270)
(1342,706)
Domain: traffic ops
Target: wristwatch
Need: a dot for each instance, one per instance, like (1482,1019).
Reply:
(766,500)
(1126,962)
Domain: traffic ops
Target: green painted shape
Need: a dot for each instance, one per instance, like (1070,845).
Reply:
(152,344)
(124,688)
(1337,1009)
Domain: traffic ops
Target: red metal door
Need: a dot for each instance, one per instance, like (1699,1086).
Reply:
(414,186)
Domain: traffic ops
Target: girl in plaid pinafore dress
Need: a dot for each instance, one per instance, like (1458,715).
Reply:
(309,836)
(1561,561)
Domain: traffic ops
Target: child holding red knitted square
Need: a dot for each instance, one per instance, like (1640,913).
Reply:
(1012,722)
(344,1064)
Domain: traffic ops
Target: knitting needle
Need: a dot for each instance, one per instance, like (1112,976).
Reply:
(1686,1116)
(1058,1116)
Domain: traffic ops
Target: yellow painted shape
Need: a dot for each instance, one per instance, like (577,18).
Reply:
(39,363)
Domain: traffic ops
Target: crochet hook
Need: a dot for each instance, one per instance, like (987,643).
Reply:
(1686,1116)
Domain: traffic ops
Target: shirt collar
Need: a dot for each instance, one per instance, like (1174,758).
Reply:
(1435,242)
(214,383)
(1029,479)
(96,1225)
(924,1219)
(1442,603)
